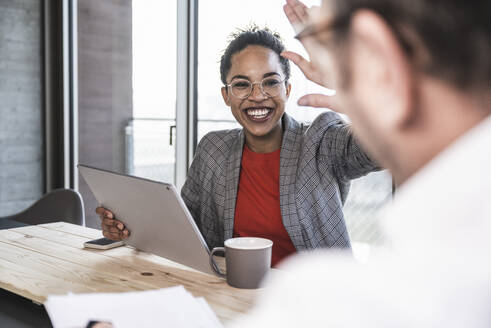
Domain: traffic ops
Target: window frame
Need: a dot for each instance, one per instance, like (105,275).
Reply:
(60,93)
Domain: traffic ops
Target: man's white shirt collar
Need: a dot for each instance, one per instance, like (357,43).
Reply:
(447,203)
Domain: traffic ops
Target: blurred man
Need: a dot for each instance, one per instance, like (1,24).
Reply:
(414,76)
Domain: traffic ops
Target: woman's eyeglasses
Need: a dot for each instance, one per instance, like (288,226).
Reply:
(269,86)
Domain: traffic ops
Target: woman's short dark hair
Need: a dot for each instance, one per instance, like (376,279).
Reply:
(253,35)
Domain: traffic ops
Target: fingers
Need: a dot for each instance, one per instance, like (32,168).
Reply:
(298,60)
(305,66)
(114,229)
(290,14)
(104,212)
(292,18)
(300,10)
(113,223)
(111,228)
(297,3)
(297,14)
(318,101)
(115,233)
(111,235)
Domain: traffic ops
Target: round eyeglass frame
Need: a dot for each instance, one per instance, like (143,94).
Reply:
(229,86)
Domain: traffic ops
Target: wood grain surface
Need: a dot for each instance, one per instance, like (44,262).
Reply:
(37,261)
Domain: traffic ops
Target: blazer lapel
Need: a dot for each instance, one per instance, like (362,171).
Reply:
(290,152)
(232,184)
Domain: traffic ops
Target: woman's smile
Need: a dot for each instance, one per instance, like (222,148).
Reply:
(257,93)
(258,114)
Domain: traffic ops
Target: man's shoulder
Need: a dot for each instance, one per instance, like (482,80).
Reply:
(326,279)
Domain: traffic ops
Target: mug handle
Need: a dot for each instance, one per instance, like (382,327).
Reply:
(213,265)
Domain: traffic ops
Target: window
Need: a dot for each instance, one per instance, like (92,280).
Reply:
(127,89)
(105,89)
(150,135)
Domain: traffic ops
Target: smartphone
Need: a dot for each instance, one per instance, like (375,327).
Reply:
(103,243)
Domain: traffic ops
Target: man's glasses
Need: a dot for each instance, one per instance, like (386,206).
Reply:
(269,86)
(341,23)
(314,29)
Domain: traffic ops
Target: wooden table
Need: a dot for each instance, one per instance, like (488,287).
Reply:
(37,261)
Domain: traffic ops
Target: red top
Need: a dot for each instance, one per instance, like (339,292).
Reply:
(257,211)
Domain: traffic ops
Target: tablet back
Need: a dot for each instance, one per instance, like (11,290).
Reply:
(154,213)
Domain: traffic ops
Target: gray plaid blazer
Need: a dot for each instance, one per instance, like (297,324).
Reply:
(317,163)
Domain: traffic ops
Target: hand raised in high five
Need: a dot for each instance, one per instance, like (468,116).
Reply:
(297,13)
(311,73)
(299,16)
(307,67)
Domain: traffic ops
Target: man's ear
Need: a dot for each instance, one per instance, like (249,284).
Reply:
(381,71)
(226,96)
(288,89)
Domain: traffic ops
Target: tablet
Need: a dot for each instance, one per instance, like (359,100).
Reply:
(154,213)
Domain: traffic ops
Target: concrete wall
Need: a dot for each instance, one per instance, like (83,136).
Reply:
(21,125)
(105,87)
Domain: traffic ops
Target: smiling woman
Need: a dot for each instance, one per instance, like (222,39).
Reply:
(257,111)
(275,178)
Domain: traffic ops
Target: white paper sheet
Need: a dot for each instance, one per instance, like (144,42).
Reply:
(169,307)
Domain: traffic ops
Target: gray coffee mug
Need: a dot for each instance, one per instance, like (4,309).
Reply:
(247,260)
